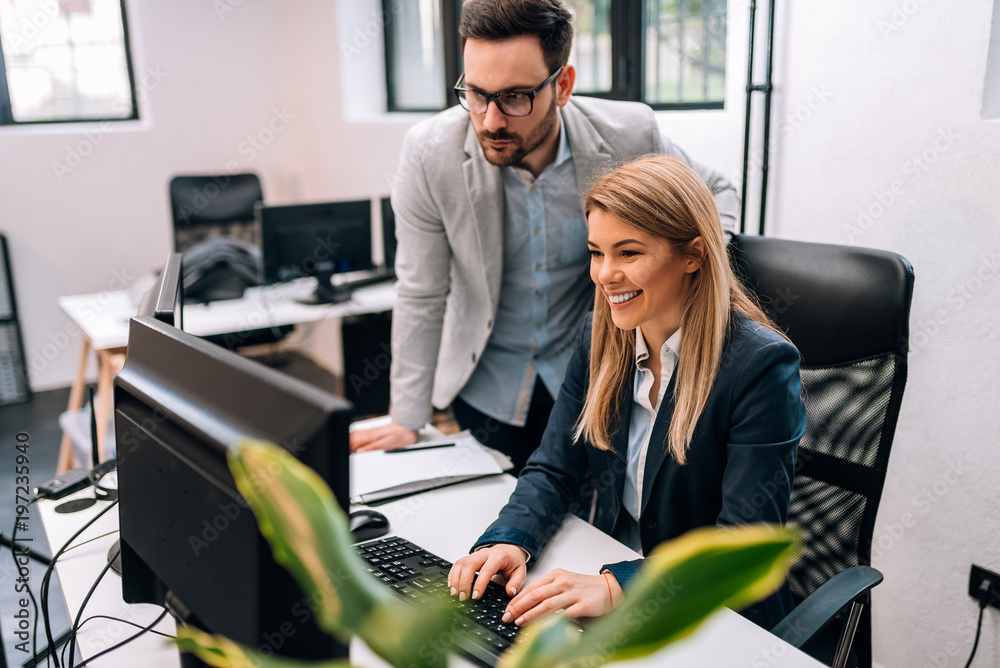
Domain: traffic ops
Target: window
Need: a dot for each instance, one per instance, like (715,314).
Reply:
(64,60)
(670,54)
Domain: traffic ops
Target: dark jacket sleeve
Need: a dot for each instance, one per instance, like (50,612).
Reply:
(768,419)
(555,472)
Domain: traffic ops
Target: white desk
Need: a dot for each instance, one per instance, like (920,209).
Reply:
(428,519)
(103,321)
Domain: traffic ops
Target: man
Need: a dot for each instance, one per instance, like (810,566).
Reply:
(492,255)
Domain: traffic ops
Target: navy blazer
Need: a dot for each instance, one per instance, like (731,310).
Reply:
(739,469)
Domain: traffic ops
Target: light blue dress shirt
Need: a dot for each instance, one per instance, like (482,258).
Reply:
(546,287)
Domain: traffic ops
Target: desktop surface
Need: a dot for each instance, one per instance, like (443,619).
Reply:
(431,521)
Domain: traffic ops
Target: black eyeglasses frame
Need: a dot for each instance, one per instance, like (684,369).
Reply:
(495,97)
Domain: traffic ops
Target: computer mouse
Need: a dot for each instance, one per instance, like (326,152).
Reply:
(367,524)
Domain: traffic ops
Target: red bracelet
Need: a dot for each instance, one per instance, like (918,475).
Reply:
(610,597)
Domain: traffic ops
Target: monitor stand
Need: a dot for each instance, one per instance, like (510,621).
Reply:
(326,292)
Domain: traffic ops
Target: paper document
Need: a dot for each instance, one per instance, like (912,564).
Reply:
(384,474)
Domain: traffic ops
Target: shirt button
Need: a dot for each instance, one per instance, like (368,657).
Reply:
(473,357)
(538,267)
(540,294)
(538,229)
(538,326)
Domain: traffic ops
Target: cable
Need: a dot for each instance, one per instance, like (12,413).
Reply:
(124,642)
(103,535)
(979,628)
(48,576)
(34,603)
(79,613)
(124,621)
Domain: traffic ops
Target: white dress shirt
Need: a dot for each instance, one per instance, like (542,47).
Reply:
(644,415)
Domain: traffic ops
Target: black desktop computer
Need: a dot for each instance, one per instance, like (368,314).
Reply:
(188,540)
(318,240)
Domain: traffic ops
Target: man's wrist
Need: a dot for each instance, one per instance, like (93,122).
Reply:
(410,427)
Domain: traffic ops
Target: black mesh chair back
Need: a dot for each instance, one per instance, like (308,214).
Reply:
(205,207)
(847,311)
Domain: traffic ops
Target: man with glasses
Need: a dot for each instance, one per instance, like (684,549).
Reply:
(492,256)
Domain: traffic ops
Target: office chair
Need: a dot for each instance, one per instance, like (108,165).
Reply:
(847,311)
(214,227)
(204,207)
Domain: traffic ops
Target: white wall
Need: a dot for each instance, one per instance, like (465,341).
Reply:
(863,86)
(905,83)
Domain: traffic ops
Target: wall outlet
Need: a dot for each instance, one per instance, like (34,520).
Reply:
(981,582)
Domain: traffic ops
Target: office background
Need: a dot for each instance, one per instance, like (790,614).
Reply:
(879,139)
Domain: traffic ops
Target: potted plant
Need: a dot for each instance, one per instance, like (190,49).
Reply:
(681,583)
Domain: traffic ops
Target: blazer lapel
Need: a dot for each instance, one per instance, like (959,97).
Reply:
(617,459)
(658,451)
(484,187)
(591,156)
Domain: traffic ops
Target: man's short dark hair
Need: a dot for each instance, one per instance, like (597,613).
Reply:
(493,20)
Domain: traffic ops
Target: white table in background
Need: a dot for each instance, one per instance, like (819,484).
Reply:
(103,317)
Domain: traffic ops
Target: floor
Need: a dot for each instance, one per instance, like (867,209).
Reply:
(37,418)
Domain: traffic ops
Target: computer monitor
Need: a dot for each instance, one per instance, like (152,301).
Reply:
(388,234)
(188,541)
(316,240)
(165,300)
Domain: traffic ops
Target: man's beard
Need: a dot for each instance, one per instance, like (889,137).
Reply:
(522,145)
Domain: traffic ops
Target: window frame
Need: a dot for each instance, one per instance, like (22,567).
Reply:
(627,57)
(6,110)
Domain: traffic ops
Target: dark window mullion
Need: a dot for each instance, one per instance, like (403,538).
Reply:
(634,49)
(626,50)
(390,70)
(6,117)
(450,13)
(128,63)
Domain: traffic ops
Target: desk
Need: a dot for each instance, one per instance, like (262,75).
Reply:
(726,639)
(103,320)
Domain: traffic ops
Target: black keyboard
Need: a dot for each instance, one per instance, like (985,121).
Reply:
(418,576)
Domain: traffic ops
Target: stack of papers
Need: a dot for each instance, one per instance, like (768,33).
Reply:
(387,474)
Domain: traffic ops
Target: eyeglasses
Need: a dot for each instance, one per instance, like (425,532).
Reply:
(516,103)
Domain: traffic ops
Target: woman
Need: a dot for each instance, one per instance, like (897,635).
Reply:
(680,407)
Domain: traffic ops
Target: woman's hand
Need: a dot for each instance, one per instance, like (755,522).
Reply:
(575,594)
(510,561)
(382,438)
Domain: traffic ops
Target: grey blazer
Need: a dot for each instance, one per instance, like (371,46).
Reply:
(448,202)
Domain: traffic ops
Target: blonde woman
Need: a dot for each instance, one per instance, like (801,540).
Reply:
(680,407)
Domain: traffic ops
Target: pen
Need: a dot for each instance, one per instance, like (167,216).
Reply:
(423,447)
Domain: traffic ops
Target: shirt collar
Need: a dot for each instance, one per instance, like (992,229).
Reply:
(673,345)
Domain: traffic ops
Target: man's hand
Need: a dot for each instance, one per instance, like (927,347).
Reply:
(507,560)
(575,594)
(382,438)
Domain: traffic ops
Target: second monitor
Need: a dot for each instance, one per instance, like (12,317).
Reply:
(318,240)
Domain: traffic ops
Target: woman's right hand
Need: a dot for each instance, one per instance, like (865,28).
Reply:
(508,560)
(382,438)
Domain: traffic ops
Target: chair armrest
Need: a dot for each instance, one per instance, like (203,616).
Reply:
(813,614)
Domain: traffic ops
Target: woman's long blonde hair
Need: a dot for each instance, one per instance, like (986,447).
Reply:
(662,196)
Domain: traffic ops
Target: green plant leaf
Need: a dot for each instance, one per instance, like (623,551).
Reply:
(680,584)
(309,535)
(221,652)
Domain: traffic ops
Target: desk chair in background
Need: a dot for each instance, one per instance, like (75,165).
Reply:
(208,211)
(847,311)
